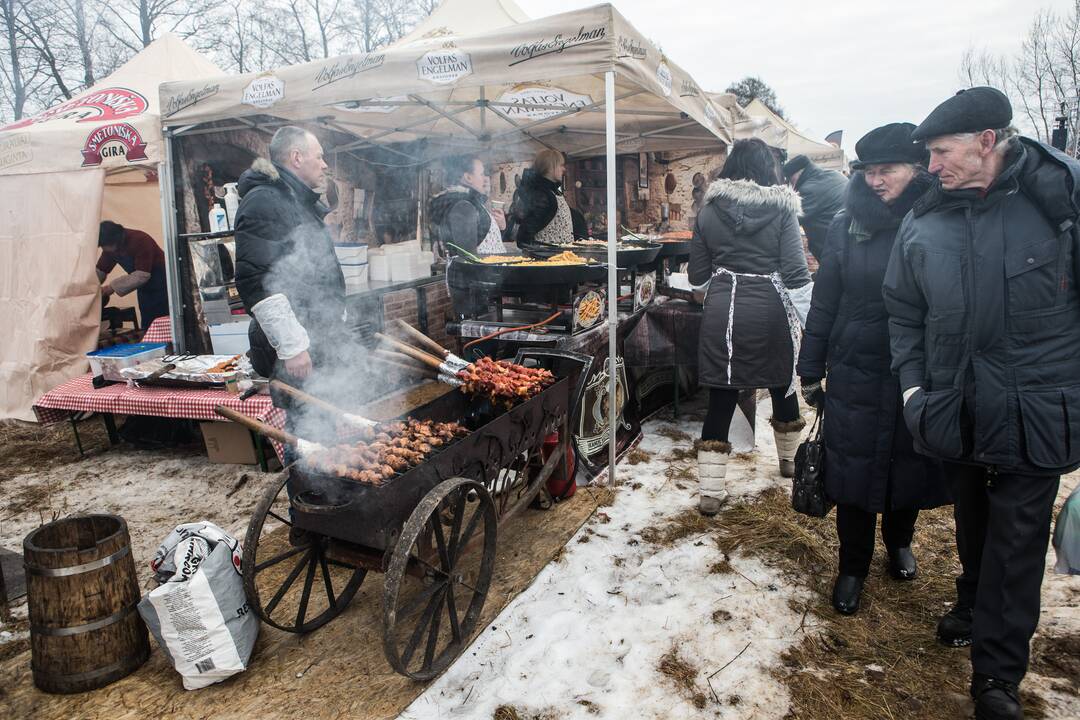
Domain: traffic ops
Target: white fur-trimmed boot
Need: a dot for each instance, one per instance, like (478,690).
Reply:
(712,459)
(787,436)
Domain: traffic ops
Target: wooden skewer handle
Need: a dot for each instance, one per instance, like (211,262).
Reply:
(401,361)
(307,397)
(423,339)
(429,360)
(260,427)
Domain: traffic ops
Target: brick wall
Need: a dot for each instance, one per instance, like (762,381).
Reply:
(403,305)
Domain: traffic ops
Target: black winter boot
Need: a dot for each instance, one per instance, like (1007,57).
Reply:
(846,593)
(954,627)
(902,563)
(995,699)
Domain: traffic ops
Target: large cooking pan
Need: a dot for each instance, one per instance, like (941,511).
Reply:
(627,255)
(463,272)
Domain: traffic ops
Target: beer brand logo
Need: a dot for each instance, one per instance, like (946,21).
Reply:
(559,43)
(118,140)
(630,47)
(346,68)
(176,103)
(370,105)
(444,67)
(264,91)
(711,115)
(537,102)
(663,76)
(101,106)
(688,88)
(15,150)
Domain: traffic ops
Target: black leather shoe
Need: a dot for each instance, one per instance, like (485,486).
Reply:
(845,594)
(996,699)
(954,627)
(902,563)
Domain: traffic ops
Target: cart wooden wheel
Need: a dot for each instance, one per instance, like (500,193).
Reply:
(438,578)
(293,584)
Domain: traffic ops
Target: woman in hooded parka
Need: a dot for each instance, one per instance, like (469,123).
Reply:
(747,247)
(871,466)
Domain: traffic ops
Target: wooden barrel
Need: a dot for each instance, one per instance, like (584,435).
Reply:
(82,593)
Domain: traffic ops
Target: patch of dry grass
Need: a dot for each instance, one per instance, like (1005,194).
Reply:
(826,672)
(687,523)
(638,456)
(26,447)
(683,675)
(673,433)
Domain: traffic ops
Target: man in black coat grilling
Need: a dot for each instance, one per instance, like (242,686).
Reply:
(287,272)
(985,332)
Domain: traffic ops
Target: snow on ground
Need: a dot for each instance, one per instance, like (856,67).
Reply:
(586,639)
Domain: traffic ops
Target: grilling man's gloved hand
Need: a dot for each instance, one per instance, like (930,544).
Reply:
(812,392)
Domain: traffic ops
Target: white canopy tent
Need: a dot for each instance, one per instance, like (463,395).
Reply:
(778,132)
(61,172)
(584,82)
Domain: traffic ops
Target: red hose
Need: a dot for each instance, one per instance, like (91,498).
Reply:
(497,333)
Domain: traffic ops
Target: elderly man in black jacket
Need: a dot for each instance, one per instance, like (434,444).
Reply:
(822,194)
(985,329)
(287,273)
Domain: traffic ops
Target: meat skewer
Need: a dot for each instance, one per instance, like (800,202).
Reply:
(358,421)
(304,447)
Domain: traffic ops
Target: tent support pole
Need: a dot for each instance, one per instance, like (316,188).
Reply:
(613,275)
(172,250)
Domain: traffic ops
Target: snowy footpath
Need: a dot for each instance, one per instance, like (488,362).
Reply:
(624,624)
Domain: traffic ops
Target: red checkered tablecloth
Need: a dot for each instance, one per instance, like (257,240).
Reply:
(79,395)
(160,331)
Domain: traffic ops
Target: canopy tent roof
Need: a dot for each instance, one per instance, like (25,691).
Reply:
(463,17)
(778,132)
(113,125)
(510,89)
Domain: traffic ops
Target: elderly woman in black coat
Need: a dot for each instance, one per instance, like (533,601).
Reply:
(871,466)
(746,245)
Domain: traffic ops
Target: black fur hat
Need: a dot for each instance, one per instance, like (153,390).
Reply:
(890,143)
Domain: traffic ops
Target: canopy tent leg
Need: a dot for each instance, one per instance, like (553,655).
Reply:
(172,249)
(613,274)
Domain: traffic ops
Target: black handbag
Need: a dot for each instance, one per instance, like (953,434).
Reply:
(808,486)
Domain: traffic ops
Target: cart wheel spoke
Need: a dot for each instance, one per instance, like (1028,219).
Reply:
(451,610)
(466,535)
(425,622)
(440,544)
(455,528)
(279,518)
(327,580)
(433,633)
(283,556)
(287,584)
(416,601)
(301,612)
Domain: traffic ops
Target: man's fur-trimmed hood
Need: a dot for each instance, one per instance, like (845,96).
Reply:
(746,204)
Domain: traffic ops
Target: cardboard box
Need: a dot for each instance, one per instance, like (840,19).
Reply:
(227,442)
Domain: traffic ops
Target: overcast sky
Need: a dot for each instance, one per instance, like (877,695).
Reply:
(843,64)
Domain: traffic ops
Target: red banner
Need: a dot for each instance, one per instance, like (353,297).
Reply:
(116,140)
(99,106)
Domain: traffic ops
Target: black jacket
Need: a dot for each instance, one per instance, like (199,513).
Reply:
(533,206)
(822,193)
(460,218)
(747,228)
(282,246)
(871,461)
(985,317)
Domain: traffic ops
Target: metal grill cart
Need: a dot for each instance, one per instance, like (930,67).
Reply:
(431,530)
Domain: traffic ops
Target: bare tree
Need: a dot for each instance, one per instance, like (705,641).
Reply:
(138,22)
(21,72)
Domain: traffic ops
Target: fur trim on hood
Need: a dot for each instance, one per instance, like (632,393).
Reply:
(264,166)
(779,197)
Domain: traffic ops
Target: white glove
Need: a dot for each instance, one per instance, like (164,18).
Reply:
(283,330)
(909,392)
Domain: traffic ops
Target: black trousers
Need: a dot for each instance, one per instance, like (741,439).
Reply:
(855,528)
(722,402)
(1002,531)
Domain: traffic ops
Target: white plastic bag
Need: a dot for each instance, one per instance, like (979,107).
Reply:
(199,614)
